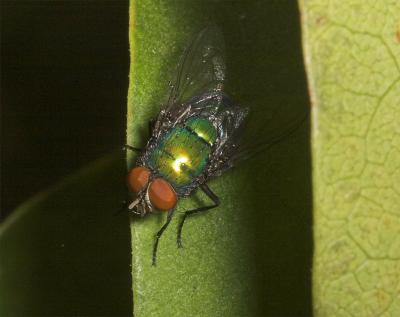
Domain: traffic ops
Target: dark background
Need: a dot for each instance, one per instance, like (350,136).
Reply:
(64,80)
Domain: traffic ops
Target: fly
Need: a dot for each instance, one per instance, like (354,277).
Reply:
(195,137)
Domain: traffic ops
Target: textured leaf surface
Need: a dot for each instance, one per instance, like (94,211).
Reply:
(251,256)
(63,253)
(353,60)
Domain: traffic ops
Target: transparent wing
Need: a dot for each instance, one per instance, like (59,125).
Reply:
(235,151)
(248,151)
(201,68)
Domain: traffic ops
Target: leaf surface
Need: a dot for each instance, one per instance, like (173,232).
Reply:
(250,256)
(352,53)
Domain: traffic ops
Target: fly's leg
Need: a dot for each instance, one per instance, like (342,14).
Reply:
(123,208)
(216,202)
(131,148)
(159,234)
(127,206)
(152,123)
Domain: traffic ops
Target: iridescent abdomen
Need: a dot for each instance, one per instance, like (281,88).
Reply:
(182,153)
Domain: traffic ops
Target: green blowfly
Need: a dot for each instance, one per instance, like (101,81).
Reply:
(195,137)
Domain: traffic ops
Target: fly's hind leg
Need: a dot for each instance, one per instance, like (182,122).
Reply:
(159,234)
(215,204)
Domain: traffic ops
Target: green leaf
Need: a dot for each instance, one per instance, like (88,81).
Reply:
(63,252)
(352,53)
(252,255)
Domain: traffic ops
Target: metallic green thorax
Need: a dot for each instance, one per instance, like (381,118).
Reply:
(203,128)
(183,152)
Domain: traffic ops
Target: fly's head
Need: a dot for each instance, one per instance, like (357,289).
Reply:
(151,192)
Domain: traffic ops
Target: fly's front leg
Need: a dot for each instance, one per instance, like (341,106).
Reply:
(216,202)
(131,148)
(159,234)
(152,123)
(123,208)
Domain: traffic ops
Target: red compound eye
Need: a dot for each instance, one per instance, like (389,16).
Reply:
(162,195)
(138,178)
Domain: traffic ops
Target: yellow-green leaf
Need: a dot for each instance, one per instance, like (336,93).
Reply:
(352,51)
